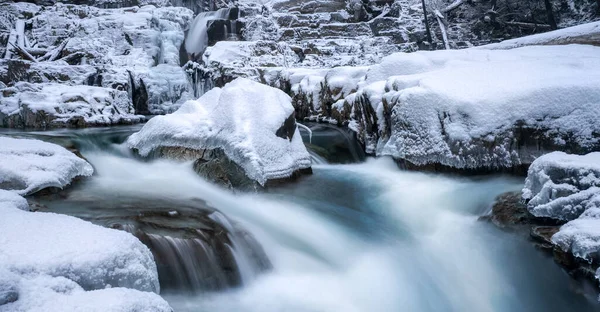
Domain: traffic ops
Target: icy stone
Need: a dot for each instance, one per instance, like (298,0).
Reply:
(489,109)
(27,166)
(563,186)
(50,105)
(243,119)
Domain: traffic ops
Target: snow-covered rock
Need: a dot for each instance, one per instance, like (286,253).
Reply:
(251,122)
(567,188)
(132,49)
(475,109)
(563,186)
(27,166)
(49,105)
(51,262)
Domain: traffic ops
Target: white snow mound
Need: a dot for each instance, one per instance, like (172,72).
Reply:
(242,118)
(27,166)
(51,262)
(562,186)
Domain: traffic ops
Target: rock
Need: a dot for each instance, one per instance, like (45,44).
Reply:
(28,166)
(51,105)
(267,147)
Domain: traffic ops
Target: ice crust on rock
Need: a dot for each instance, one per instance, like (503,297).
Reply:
(55,105)
(27,166)
(567,187)
(52,262)
(242,119)
(466,108)
(563,186)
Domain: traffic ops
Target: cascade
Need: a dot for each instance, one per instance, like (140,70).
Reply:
(197,37)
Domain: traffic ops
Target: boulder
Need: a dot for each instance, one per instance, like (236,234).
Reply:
(244,123)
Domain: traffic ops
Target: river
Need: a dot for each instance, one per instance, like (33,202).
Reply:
(354,236)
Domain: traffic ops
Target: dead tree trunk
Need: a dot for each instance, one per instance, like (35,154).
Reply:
(550,13)
(427,23)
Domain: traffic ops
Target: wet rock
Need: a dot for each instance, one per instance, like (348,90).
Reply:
(196,248)
(510,213)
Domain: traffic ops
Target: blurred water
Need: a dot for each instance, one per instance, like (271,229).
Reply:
(357,237)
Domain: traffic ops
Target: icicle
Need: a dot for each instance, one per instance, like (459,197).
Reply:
(307,129)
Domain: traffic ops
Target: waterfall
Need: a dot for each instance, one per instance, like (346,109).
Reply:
(197,38)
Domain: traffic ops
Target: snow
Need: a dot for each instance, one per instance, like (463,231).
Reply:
(446,104)
(562,186)
(51,262)
(242,119)
(567,187)
(64,103)
(582,236)
(27,166)
(585,33)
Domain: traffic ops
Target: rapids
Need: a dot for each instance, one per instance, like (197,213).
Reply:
(362,236)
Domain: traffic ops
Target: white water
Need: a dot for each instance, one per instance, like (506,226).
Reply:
(197,38)
(363,237)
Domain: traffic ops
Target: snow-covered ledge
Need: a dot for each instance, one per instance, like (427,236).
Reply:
(253,124)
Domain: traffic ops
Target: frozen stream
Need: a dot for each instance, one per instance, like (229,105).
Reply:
(351,237)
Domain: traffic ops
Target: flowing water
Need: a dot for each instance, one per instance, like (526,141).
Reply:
(352,237)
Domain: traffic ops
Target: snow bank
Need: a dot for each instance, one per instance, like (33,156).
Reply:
(581,34)
(27,166)
(57,105)
(563,186)
(51,262)
(242,118)
(479,108)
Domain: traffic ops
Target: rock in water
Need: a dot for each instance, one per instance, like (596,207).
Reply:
(242,120)
(27,166)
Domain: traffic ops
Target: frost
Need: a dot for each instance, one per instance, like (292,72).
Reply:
(242,118)
(27,166)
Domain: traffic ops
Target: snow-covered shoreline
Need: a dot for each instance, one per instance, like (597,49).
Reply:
(52,262)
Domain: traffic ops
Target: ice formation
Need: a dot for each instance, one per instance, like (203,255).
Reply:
(47,105)
(27,166)
(242,119)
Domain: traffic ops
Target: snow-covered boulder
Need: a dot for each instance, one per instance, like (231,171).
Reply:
(567,188)
(253,125)
(51,262)
(563,186)
(51,105)
(27,166)
(484,109)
